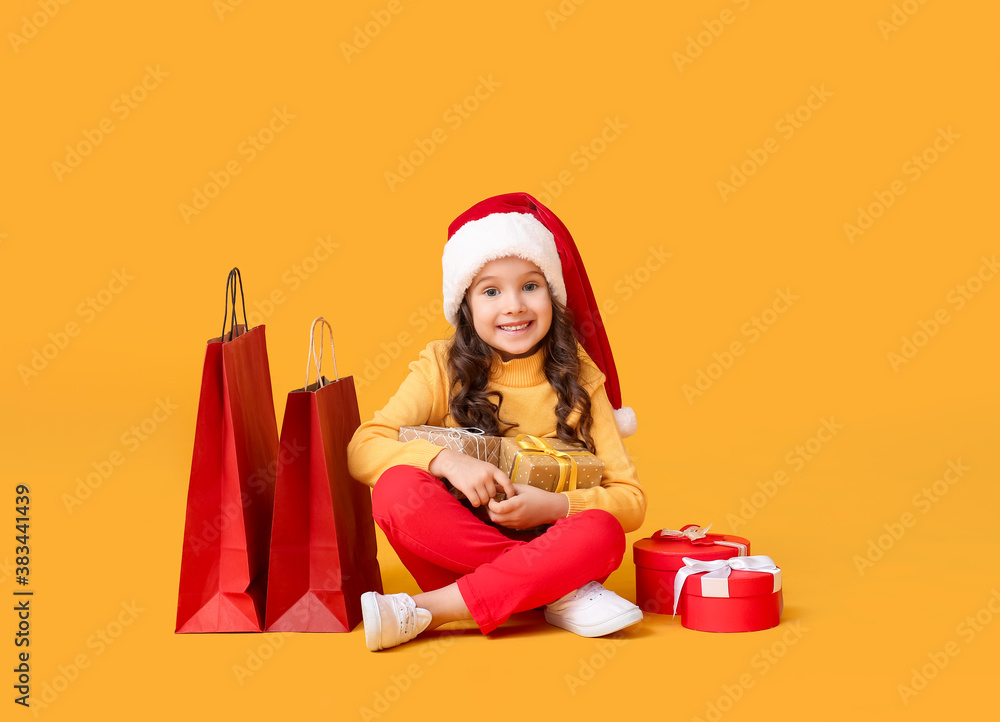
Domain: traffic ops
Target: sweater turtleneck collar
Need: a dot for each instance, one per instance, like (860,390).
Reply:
(520,373)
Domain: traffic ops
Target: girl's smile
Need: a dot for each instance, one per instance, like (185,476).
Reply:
(518,328)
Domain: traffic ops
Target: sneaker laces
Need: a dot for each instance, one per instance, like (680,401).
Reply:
(406,614)
(590,591)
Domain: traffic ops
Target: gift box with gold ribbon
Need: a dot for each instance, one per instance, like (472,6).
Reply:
(549,464)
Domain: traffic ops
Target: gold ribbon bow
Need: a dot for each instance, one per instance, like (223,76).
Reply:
(567,464)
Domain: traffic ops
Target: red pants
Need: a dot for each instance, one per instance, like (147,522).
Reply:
(499,571)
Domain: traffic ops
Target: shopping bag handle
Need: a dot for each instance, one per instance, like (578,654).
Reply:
(318,360)
(231,283)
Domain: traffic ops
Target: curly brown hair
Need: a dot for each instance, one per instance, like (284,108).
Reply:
(470,360)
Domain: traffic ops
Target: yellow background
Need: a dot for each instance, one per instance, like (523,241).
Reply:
(561,72)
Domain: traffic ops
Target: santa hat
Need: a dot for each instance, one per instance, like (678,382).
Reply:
(515,224)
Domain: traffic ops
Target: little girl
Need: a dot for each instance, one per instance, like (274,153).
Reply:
(514,286)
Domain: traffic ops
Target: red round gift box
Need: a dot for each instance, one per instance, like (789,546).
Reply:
(657,562)
(752,603)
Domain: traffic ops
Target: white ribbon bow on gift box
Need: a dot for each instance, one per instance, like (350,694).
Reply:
(468,432)
(473,430)
(716,582)
(457,432)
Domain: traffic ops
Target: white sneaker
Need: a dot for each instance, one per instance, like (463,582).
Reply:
(391,619)
(592,611)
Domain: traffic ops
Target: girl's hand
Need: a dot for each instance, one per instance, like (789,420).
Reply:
(528,507)
(478,480)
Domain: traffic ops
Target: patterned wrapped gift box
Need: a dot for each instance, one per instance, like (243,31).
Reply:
(549,464)
(471,442)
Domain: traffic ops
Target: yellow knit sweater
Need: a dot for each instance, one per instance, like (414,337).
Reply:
(528,399)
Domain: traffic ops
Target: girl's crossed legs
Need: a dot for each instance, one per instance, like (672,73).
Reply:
(496,571)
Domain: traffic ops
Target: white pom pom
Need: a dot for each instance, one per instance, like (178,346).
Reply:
(627,423)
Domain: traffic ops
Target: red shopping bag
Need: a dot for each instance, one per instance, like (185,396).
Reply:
(323,549)
(227,528)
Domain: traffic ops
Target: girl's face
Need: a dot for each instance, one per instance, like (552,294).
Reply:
(511,307)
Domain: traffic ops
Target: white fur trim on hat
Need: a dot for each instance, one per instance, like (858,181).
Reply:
(626,421)
(497,235)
